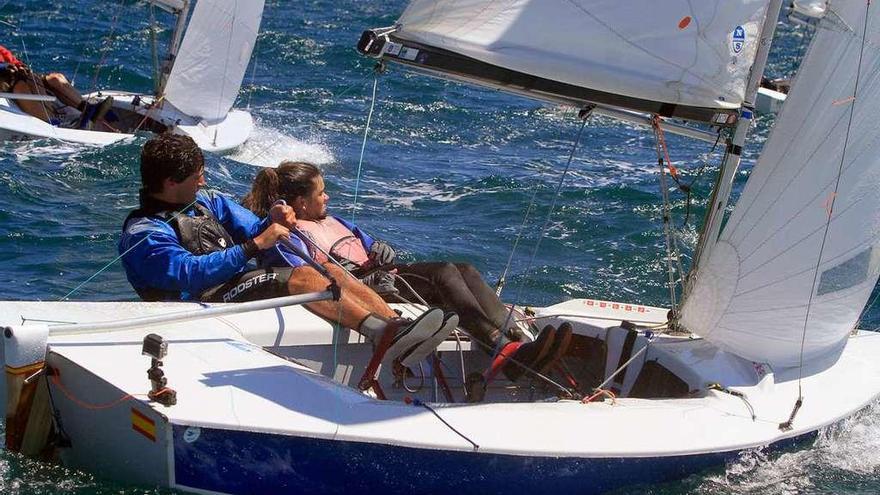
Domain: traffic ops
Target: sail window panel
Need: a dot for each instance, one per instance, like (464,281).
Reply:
(638,49)
(850,273)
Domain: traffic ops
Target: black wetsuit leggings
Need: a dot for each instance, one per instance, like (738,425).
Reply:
(457,287)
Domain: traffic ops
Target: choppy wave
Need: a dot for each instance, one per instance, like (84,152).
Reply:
(268,147)
(841,460)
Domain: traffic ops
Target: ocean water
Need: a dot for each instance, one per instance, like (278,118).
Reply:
(449,172)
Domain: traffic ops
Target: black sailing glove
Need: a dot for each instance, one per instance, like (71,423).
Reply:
(381,254)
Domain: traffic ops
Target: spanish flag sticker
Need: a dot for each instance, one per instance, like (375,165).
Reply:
(143,425)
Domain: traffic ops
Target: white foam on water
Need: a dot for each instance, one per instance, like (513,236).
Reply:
(854,444)
(268,147)
(27,150)
(851,446)
(405,195)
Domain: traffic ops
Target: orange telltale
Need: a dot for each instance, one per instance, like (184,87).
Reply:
(684,22)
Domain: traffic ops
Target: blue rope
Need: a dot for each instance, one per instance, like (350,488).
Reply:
(364,146)
(337,327)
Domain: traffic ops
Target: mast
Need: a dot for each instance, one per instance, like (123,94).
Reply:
(721,192)
(154,48)
(181,10)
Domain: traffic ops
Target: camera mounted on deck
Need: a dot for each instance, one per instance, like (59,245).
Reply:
(156,347)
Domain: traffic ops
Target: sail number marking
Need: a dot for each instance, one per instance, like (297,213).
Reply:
(617,306)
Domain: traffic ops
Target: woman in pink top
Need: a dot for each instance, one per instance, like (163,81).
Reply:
(456,287)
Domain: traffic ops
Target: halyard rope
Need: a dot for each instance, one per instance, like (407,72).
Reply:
(337,327)
(585,116)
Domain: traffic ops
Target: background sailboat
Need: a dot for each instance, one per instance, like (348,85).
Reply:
(198,84)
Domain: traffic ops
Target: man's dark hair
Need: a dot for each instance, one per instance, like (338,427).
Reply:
(169,156)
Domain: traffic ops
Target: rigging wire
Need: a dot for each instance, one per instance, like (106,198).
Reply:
(89,36)
(108,41)
(377,71)
(672,253)
(584,115)
(266,148)
(704,162)
(36,83)
(154,49)
(499,287)
(787,425)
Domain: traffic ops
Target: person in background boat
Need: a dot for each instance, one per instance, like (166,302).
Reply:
(16,77)
(456,287)
(185,245)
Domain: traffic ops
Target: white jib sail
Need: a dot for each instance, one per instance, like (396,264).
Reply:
(676,51)
(213,57)
(799,255)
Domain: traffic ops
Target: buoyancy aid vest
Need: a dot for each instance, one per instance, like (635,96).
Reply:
(331,236)
(199,234)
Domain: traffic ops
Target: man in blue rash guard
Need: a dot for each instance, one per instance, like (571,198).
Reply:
(185,245)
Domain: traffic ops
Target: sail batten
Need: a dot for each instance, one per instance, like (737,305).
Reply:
(800,254)
(692,58)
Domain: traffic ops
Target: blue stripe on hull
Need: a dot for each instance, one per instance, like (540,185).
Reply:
(240,462)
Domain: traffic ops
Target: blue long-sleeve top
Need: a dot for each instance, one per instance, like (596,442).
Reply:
(283,256)
(154,258)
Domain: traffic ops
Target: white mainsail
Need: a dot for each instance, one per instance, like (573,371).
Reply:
(213,57)
(694,54)
(798,258)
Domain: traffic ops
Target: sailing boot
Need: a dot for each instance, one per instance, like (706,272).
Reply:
(421,351)
(560,346)
(516,358)
(392,338)
(412,333)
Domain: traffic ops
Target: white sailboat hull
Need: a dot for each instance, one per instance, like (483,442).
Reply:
(216,137)
(250,421)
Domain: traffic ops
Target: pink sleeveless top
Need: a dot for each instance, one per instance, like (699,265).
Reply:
(332,237)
